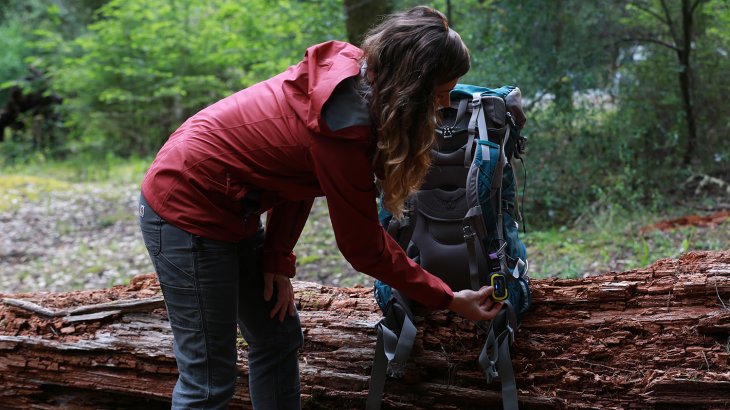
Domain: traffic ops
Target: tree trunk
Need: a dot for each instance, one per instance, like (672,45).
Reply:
(685,80)
(563,88)
(681,42)
(651,338)
(360,15)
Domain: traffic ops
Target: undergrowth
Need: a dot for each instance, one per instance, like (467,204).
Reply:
(610,240)
(86,168)
(616,243)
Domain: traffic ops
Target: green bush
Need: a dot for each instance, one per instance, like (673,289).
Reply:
(146,65)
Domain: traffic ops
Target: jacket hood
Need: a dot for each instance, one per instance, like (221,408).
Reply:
(310,83)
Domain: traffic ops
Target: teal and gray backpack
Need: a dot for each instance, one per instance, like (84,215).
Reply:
(461,226)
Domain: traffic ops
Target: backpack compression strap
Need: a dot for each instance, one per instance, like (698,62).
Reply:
(500,335)
(473,228)
(497,199)
(390,349)
(476,120)
(402,230)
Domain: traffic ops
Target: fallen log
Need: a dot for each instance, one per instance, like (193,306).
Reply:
(657,337)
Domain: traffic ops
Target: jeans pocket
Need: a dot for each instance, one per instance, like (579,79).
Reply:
(175,262)
(183,307)
(211,246)
(151,235)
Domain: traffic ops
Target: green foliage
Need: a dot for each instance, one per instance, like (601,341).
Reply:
(15,50)
(650,101)
(593,248)
(36,129)
(83,168)
(551,49)
(606,124)
(15,41)
(146,65)
(711,85)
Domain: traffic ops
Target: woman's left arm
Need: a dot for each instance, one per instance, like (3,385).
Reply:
(284,224)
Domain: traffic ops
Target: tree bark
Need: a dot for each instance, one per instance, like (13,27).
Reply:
(657,337)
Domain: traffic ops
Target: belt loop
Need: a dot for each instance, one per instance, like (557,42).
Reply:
(196,243)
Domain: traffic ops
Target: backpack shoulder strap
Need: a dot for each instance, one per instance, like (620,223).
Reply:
(474,226)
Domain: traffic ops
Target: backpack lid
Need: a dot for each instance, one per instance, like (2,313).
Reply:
(509,93)
(467,90)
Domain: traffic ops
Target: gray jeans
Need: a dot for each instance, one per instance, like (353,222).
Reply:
(210,286)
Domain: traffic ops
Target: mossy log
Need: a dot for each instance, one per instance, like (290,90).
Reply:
(657,337)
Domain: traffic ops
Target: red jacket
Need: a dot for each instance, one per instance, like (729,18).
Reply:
(271,139)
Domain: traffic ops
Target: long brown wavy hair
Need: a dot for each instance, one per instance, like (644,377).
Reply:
(407,55)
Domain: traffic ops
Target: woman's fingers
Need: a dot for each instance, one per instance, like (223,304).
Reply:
(485,293)
(492,311)
(268,286)
(481,305)
(292,306)
(284,295)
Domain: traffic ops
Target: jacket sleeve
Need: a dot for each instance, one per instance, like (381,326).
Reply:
(284,224)
(346,178)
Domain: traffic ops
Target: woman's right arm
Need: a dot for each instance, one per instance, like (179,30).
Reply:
(345,175)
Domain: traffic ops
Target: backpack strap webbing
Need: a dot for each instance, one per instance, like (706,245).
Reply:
(461,110)
(496,198)
(500,336)
(402,231)
(477,117)
(447,131)
(391,349)
(474,230)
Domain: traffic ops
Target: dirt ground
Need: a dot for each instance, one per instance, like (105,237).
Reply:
(689,220)
(87,237)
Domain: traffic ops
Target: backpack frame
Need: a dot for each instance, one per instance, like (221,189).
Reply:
(461,226)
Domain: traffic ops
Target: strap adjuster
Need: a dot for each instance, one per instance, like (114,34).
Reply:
(469,233)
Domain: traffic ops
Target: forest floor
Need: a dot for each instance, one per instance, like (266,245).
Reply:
(61,236)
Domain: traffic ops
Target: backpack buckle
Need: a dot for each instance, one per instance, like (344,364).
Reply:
(469,233)
(447,131)
(511,119)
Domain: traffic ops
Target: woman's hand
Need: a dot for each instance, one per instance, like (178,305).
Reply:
(284,295)
(475,305)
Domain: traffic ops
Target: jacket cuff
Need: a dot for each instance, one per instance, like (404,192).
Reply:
(279,263)
(446,300)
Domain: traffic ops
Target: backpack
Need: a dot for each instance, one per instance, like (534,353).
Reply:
(461,226)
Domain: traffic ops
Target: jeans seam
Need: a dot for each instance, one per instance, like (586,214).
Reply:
(179,269)
(203,324)
(276,379)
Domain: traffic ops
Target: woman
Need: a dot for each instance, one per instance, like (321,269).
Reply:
(328,126)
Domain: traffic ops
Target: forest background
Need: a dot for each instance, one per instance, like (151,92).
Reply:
(628,121)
